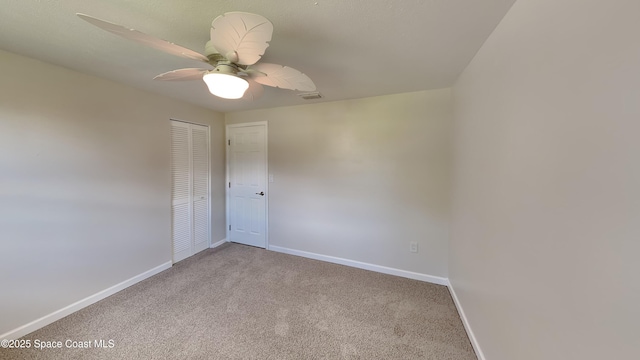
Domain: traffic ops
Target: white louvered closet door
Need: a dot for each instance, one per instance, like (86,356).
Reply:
(190,189)
(200,195)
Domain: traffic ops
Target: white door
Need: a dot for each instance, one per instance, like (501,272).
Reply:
(189,189)
(247,187)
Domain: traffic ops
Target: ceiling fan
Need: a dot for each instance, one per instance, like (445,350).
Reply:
(238,41)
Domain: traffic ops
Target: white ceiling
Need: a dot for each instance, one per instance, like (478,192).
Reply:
(350,48)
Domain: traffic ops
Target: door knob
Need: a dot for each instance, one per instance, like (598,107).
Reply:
(261,193)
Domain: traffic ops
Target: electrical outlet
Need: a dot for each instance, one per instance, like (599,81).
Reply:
(413,246)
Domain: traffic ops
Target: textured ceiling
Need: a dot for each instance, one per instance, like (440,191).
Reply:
(350,48)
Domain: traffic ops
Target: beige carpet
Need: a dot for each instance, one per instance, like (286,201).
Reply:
(239,302)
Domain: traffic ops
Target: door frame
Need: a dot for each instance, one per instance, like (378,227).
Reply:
(209,174)
(266,176)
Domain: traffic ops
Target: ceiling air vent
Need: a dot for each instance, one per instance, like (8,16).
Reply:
(310,95)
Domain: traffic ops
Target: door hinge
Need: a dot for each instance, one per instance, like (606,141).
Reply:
(229,184)
(229,227)
(229,142)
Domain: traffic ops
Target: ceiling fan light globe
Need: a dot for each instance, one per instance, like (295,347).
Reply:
(225,86)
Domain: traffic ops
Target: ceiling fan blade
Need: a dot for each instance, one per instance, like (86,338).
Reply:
(182,74)
(241,37)
(280,76)
(254,91)
(144,39)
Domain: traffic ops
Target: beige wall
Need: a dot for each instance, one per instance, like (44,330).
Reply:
(360,179)
(84,185)
(546,210)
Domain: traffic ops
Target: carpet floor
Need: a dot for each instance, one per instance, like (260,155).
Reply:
(240,302)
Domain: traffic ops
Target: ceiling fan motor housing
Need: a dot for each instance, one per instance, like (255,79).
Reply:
(212,53)
(229,69)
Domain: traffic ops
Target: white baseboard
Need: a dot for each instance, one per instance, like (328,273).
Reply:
(216,244)
(59,314)
(465,322)
(361,265)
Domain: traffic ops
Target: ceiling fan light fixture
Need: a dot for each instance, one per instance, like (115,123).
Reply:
(238,41)
(226,86)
